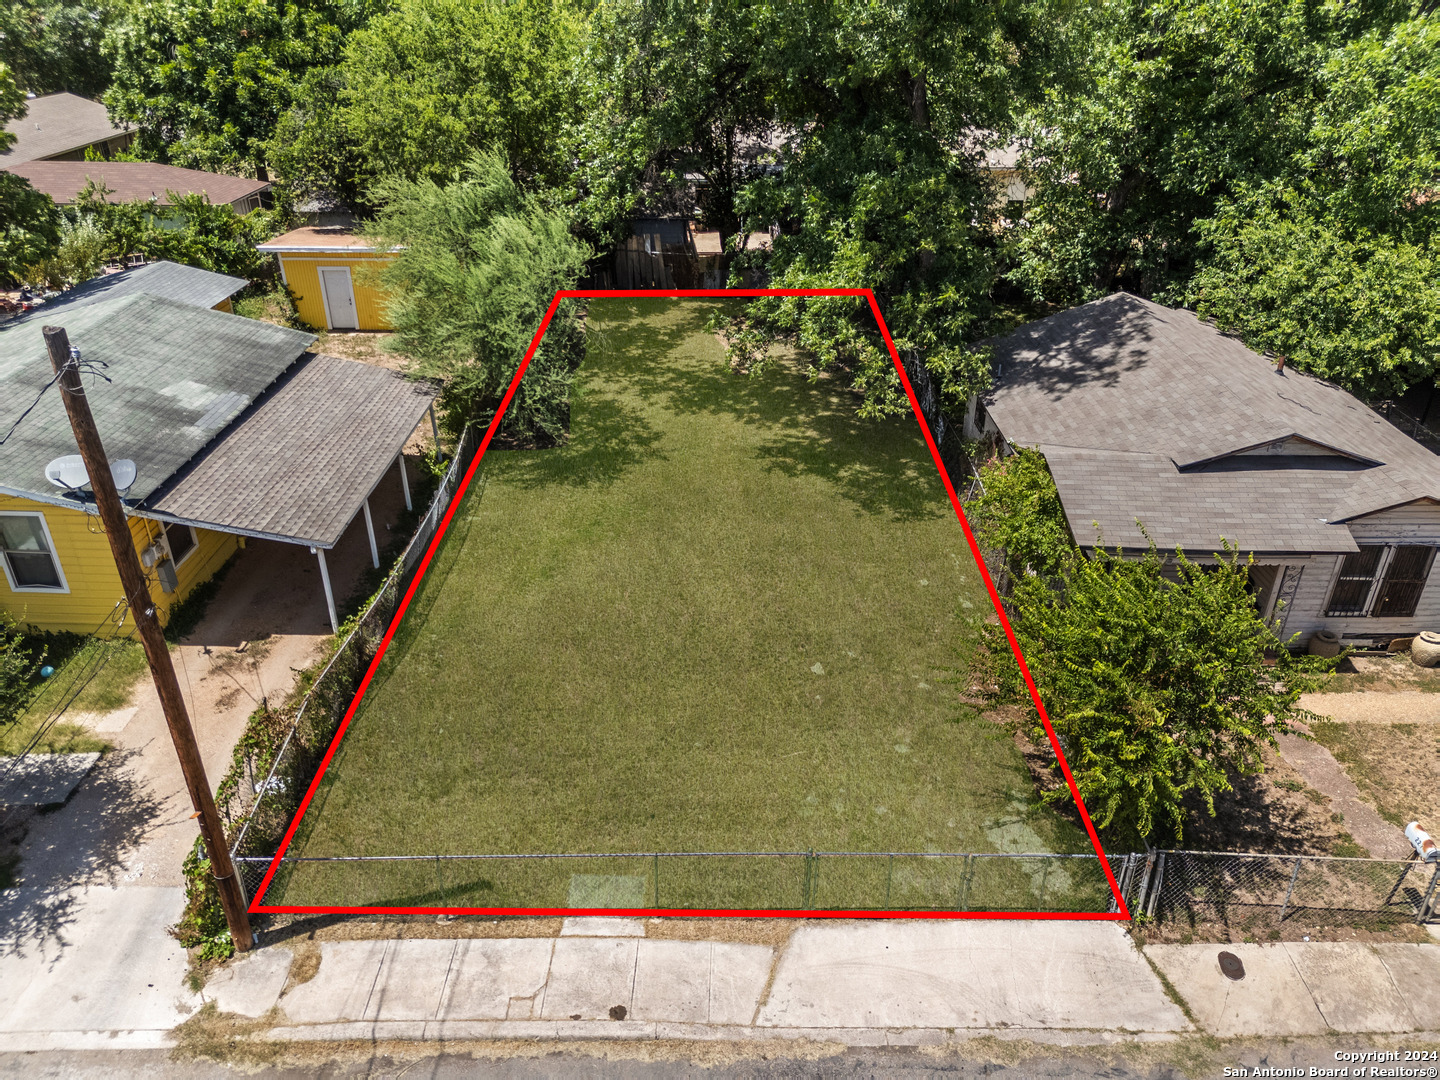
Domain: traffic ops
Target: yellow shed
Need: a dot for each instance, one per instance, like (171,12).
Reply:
(333,275)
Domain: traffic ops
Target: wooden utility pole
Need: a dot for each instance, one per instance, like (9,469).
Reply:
(142,609)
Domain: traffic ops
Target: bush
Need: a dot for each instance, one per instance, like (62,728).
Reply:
(18,667)
(1159,676)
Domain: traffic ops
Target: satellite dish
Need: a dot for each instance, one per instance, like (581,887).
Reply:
(68,472)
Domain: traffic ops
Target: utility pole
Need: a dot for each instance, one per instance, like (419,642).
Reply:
(137,595)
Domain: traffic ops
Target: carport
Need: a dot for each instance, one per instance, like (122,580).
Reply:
(302,461)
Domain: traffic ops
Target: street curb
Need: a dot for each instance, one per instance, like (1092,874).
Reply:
(642,1030)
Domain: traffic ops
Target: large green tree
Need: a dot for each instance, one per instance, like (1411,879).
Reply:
(1333,262)
(56,46)
(207,80)
(871,114)
(477,262)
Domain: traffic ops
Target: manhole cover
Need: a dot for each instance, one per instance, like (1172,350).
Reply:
(1232,967)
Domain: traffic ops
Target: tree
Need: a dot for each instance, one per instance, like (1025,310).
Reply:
(1163,109)
(883,109)
(477,262)
(56,46)
(1160,686)
(190,229)
(1333,263)
(207,80)
(431,82)
(29,222)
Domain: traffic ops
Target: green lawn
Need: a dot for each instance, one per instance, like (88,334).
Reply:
(723,618)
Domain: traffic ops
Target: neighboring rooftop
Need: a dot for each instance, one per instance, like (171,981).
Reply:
(56,125)
(319,238)
(165,399)
(166,280)
(134,181)
(299,463)
(1147,412)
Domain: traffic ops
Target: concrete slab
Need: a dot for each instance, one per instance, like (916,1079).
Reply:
(982,973)
(341,988)
(1271,1000)
(589,977)
(496,979)
(738,974)
(411,980)
(602,926)
(699,982)
(672,981)
(1351,986)
(43,779)
(1416,971)
(250,985)
(109,964)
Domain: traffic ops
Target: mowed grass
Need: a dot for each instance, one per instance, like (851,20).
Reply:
(723,618)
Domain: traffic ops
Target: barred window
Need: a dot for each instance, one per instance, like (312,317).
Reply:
(1351,594)
(1404,580)
(1381,580)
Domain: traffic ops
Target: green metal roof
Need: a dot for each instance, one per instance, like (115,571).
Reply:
(179,374)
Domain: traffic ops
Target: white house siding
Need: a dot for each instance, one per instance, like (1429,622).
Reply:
(1413,523)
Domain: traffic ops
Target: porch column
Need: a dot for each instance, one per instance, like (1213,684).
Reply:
(434,429)
(404,480)
(329,593)
(370,531)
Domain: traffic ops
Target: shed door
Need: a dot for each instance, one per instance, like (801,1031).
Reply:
(339,297)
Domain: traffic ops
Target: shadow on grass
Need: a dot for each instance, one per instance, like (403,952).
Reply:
(610,438)
(881,466)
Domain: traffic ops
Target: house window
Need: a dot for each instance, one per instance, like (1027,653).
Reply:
(1381,579)
(1404,580)
(30,563)
(182,541)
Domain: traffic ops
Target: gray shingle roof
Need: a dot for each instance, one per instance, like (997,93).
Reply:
(1138,406)
(299,464)
(167,280)
(179,375)
(57,124)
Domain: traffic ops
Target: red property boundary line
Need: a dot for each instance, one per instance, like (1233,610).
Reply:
(1121,915)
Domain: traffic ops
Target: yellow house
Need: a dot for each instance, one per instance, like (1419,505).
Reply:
(333,275)
(234,428)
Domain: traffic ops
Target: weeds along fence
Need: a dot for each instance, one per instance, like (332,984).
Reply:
(1186,887)
(748,881)
(261,793)
(1255,891)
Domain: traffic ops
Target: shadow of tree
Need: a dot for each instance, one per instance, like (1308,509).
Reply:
(84,842)
(880,465)
(607,439)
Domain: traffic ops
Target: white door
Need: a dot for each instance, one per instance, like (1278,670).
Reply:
(339,297)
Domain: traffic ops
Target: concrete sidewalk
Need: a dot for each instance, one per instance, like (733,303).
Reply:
(858,983)
(855,982)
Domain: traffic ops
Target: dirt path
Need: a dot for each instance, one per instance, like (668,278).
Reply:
(1375,707)
(1322,772)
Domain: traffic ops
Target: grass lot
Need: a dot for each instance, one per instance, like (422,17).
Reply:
(723,618)
(1395,766)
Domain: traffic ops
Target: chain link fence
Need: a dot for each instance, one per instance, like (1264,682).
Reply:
(1236,889)
(263,791)
(710,881)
